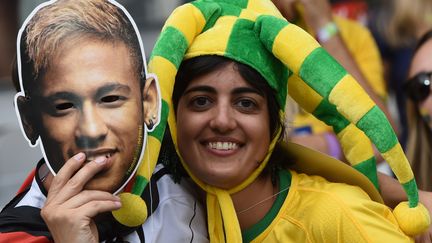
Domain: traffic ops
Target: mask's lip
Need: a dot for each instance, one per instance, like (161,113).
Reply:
(93,154)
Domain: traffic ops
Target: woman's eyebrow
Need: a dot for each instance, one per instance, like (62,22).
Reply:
(242,90)
(201,88)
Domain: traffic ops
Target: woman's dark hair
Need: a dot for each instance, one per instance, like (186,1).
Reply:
(199,66)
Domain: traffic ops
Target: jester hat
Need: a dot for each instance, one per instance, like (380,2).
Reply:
(254,33)
(47,18)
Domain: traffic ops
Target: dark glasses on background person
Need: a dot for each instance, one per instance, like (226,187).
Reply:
(418,87)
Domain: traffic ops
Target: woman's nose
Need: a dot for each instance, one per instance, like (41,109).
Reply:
(223,118)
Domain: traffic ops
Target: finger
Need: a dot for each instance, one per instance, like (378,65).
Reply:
(66,172)
(75,184)
(87,196)
(94,208)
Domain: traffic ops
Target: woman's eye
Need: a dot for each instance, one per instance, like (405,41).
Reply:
(246,104)
(110,98)
(200,102)
(64,106)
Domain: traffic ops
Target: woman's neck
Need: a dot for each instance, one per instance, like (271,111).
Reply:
(254,202)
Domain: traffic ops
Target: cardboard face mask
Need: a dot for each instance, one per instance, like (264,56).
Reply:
(84,88)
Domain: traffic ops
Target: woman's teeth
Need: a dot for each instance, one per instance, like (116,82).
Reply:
(223,145)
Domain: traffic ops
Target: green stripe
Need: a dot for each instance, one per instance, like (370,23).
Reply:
(284,182)
(321,71)
(368,168)
(230,10)
(172,45)
(328,113)
(158,132)
(411,190)
(210,11)
(376,126)
(237,3)
(139,185)
(244,47)
(268,28)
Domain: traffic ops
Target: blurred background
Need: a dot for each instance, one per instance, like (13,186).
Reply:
(395,26)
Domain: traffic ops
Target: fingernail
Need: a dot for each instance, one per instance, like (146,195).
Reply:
(100,160)
(118,204)
(79,156)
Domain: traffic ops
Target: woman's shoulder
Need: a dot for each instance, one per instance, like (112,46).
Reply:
(318,185)
(315,195)
(329,195)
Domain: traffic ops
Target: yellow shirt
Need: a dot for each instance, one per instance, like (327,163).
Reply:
(364,50)
(316,210)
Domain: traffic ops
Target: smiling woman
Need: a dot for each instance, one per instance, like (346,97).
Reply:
(226,121)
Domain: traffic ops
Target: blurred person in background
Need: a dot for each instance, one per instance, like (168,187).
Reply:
(396,26)
(419,110)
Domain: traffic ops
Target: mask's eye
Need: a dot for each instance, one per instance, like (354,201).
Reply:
(64,106)
(110,98)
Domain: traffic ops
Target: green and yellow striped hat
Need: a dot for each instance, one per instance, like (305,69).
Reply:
(253,32)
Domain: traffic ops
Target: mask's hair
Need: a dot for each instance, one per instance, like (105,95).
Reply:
(65,20)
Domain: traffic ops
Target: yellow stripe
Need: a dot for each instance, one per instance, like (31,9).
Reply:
(150,157)
(293,51)
(246,14)
(183,18)
(399,163)
(165,72)
(229,217)
(213,41)
(214,220)
(350,98)
(172,124)
(355,144)
(264,7)
(303,94)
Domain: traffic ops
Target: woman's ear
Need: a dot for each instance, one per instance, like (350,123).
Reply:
(26,117)
(151,103)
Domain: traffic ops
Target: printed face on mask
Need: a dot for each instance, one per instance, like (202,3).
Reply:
(90,100)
